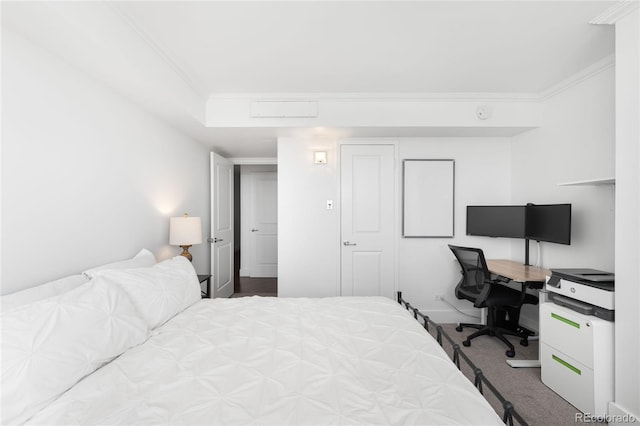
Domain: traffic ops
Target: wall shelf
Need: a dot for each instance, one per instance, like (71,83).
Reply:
(593,182)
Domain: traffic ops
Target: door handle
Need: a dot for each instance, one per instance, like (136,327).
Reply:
(214,240)
(254,230)
(348,243)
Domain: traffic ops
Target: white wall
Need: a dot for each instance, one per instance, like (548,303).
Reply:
(627,380)
(87,176)
(308,233)
(309,243)
(575,142)
(426,265)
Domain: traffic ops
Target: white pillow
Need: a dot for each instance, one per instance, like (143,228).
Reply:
(160,291)
(142,259)
(42,291)
(49,345)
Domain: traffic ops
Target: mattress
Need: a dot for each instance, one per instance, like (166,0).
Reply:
(278,361)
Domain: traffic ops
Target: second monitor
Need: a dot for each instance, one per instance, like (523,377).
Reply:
(546,222)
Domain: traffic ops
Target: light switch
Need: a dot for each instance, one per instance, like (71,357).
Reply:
(329,204)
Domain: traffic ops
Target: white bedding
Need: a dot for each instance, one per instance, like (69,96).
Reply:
(278,361)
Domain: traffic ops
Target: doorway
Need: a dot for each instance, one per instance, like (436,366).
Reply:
(255,252)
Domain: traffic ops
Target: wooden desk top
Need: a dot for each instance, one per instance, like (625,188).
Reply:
(517,271)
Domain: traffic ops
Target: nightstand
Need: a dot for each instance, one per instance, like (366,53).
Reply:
(207,278)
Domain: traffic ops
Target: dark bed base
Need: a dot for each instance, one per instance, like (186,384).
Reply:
(510,412)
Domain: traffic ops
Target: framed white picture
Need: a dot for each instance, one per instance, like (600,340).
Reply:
(428,195)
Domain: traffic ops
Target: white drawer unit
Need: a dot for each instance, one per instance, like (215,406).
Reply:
(577,357)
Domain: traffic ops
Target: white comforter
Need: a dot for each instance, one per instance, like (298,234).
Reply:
(278,361)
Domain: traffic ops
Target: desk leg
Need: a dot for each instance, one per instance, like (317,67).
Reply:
(526,363)
(530,363)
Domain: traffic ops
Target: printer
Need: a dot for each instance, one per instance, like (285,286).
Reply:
(588,291)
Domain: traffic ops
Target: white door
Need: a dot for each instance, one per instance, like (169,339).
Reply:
(221,226)
(264,225)
(367,182)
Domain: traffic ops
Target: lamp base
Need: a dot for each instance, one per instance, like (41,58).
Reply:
(185,253)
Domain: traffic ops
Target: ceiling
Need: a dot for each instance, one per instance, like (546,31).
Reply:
(384,46)
(329,47)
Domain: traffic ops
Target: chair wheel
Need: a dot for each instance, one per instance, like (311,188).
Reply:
(466,343)
(459,328)
(524,342)
(510,353)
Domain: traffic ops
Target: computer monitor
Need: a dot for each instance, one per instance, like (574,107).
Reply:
(497,221)
(549,222)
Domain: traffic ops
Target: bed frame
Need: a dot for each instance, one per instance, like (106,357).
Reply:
(510,412)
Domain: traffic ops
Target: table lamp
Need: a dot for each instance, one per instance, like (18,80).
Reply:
(184,232)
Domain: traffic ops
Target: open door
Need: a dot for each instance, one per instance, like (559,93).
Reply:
(221,226)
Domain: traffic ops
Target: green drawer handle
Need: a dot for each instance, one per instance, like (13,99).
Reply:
(565,320)
(566,364)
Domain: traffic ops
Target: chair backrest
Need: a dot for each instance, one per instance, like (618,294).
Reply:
(474,273)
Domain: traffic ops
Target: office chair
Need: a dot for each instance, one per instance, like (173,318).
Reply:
(477,286)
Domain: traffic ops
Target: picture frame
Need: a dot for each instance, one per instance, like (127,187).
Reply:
(428,190)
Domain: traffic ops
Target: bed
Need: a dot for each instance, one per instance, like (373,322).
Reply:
(135,345)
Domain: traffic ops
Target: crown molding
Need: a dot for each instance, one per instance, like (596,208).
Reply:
(161,51)
(591,71)
(616,12)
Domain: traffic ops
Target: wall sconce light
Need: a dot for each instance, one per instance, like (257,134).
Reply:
(320,157)
(184,232)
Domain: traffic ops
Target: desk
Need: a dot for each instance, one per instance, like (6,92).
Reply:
(527,276)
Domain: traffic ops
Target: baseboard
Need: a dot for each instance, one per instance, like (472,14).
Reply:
(245,272)
(619,416)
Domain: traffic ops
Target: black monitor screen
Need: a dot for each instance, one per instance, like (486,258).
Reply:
(551,222)
(496,221)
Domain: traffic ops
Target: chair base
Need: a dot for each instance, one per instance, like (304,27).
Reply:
(495,331)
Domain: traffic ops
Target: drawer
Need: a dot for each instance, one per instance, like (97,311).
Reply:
(569,378)
(567,331)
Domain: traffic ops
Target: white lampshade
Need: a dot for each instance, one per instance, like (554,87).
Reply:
(185,231)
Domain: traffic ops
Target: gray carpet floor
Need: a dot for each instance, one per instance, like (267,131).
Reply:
(536,403)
